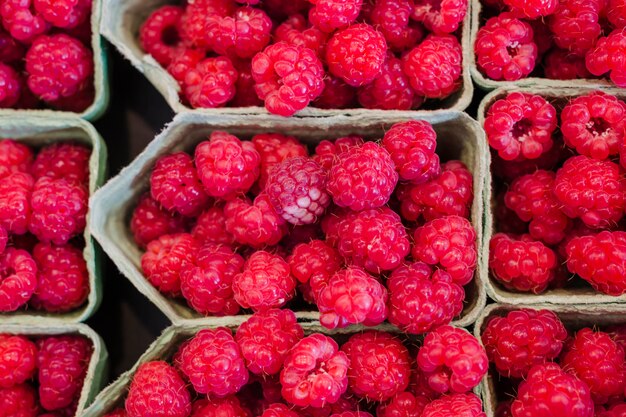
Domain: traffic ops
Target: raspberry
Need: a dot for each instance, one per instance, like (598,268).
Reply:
(598,361)
(255,224)
(210,227)
(599,259)
(182,62)
(379,365)
(18,278)
(504,409)
(345,403)
(590,190)
(374,239)
(18,360)
(412,147)
(266,338)
(75,103)
(63,280)
(550,391)
(352,296)
(159,35)
(63,362)
(283,8)
(521,126)
(227,166)
(352,414)
(404,404)
(14,157)
(576,25)
(329,15)
(314,261)
(450,193)
(58,66)
(434,66)
(356,54)
(15,202)
(505,49)
(532,9)
(207,283)
(245,96)
(420,300)
(594,124)
(198,20)
(59,209)
(175,184)
(523,339)
(559,64)
(455,405)
(20,21)
(336,94)
(18,401)
(165,258)
(10,49)
(150,221)
(273,149)
(297,189)
(362,177)
(522,264)
(440,16)
(391,17)
(279,410)
(618,410)
(532,199)
(211,83)
(326,152)
(63,160)
(315,372)
(391,90)
(243,34)
(295,31)
(225,407)
(616,13)
(4,238)
(68,14)
(213,363)
(10,86)
(157,389)
(264,283)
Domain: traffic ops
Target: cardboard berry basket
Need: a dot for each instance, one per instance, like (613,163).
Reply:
(573,317)
(577,295)
(121,20)
(97,369)
(459,138)
(38,131)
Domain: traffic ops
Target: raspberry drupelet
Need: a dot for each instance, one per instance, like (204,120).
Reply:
(314,261)
(440,16)
(241,34)
(18,278)
(18,360)
(404,404)
(315,373)
(455,405)
(159,34)
(19,401)
(392,18)
(391,90)
(274,148)
(211,83)
(15,202)
(576,25)
(330,15)
(20,21)
(380,366)
(255,223)
(10,86)
(150,221)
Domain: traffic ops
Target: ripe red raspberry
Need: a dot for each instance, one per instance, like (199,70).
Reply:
(434,66)
(314,261)
(224,407)
(206,284)
(296,31)
(150,221)
(380,366)
(522,264)
(327,152)
(63,362)
(549,390)
(591,190)
(59,209)
(352,414)
(183,61)
(159,35)
(273,149)
(412,146)
(211,83)
(15,202)
(315,373)
(165,258)
(279,410)
(347,402)
(243,33)
(450,193)
(213,363)
(522,339)
(352,296)
(255,224)
(198,19)
(10,49)
(356,54)
(532,9)
(391,90)
(63,160)
(362,177)
(63,280)
(58,66)
(10,86)
(18,360)
(4,238)
(559,64)
(329,15)
(245,96)
(616,13)
(532,199)
(265,282)
(576,25)
(466,405)
(404,404)
(14,157)
(391,17)
(521,126)
(336,94)
(19,401)
(157,389)
(19,19)
(594,124)
(606,57)
(421,300)
(440,16)
(505,49)
(18,278)
(210,227)
(227,166)
(175,184)
(68,14)
(266,338)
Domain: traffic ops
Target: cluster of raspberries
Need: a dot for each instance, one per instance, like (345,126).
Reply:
(43,205)
(45,54)
(367,231)
(557,39)
(550,371)
(42,376)
(270,368)
(560,215)
(287,54)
